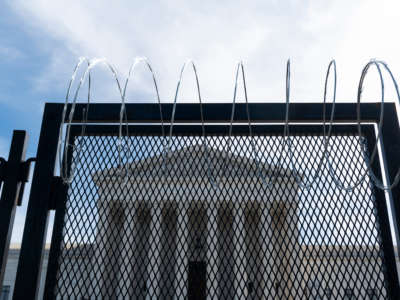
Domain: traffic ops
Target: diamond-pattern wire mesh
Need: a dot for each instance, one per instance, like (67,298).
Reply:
(167,233)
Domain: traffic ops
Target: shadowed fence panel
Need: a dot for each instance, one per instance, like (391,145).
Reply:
(164,217)
(199,220)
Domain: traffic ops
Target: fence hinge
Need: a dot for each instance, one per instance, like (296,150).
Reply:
(24,169)
(23,177)
(57,192)
(23,174)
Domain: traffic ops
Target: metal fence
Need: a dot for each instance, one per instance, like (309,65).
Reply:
(208,218)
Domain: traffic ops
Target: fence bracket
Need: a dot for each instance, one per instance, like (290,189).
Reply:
(57,190)
(23,177)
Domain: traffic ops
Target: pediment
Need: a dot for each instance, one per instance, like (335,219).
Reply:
(195,161)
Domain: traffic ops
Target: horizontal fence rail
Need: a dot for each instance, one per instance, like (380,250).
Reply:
(221,112)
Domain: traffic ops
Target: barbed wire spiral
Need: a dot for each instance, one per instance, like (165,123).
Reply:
(125,152)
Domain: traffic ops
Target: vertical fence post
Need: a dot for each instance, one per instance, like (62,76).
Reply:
(391,159)
(382,210)
(31,256)
(10,194)
(57,236)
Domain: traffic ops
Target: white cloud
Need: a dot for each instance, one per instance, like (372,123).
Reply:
(218,33)
(9,53)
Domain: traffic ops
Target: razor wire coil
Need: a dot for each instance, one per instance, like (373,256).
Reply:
(64,146)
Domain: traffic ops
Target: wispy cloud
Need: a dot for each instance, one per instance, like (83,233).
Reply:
(9,53)
(218,33)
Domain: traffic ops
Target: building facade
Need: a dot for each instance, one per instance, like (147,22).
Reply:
(223,244)
(193,234)
(152,242)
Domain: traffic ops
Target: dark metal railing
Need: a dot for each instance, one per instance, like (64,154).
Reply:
(100,141)
(13,175)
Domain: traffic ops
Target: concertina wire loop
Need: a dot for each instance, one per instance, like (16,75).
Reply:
(66,176)
(369,161)
(124,172)
(326,136)
(64,146)
(167,149)
(240,70)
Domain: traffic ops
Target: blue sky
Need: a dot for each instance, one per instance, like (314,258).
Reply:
(21,58)
(40,41)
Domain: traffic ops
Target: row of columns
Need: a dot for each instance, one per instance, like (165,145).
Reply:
(144,251)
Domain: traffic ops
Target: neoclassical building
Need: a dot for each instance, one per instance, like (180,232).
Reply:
(177,236)
(172,236)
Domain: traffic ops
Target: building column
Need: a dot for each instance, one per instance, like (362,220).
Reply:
(292,252)
(286,246)
(97,276)
(168,251)
(111,249)
(212,242)
(240,252)
(135,252)
(181,278)
(126,281)
(267,249)
(254,250)
(155,241)
(226,262)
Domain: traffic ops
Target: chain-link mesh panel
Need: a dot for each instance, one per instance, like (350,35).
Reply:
(161,230)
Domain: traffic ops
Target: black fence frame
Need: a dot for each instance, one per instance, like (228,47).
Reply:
(308,119)
(11,196)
